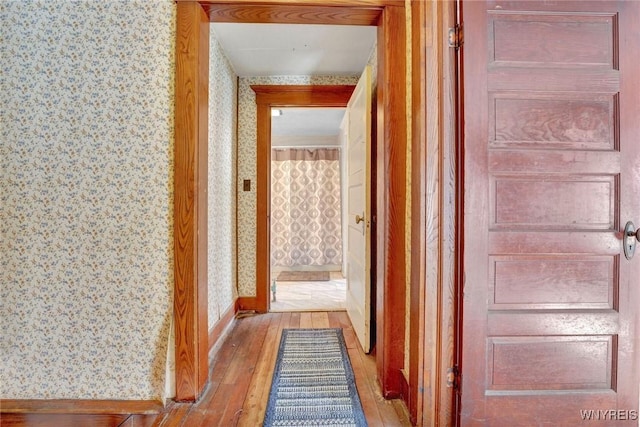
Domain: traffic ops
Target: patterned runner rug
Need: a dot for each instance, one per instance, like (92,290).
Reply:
(313,382)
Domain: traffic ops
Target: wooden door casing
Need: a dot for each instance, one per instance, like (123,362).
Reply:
(550,307)
(390,170)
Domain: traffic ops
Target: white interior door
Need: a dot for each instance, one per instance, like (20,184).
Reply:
(359,208)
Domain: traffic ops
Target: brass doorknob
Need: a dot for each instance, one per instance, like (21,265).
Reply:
(359,219)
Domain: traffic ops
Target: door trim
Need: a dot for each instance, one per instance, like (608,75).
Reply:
(435,232)
(268,96)
(190,201)
(190,293)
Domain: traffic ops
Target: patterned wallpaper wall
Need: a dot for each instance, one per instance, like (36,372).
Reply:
(86,198)
(247,167)
(223,88)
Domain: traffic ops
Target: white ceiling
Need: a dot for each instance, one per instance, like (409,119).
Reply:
(301,50)
(307,121)
(294,49)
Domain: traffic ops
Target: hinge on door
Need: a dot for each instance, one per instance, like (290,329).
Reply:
(453,377)
(456,36)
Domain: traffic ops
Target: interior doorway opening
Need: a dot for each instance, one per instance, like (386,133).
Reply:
(190,291)
(307,258)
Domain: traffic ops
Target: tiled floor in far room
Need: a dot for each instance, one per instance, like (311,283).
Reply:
(311,296)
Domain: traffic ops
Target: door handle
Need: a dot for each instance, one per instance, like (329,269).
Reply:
(359,219)
(631,235)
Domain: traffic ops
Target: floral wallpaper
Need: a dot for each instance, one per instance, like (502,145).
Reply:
(247,167)
(86,198)
(223,89)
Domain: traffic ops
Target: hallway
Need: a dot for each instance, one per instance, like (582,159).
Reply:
(241,373)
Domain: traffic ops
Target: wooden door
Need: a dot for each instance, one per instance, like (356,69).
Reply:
(551,176)
(359,210)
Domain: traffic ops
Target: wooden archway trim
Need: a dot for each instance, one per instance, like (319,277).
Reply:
(190,294)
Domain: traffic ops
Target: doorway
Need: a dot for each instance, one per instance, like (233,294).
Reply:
(191,125)
(306,192)
(281,98)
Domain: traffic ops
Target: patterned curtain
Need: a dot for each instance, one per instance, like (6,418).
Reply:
(305,208)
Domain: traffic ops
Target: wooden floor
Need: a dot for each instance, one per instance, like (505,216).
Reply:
(241,373)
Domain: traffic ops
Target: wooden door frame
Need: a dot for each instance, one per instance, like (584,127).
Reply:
(435,209)
(278,96)
(191,129)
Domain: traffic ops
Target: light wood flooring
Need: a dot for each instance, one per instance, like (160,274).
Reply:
(240,377)
(327,295)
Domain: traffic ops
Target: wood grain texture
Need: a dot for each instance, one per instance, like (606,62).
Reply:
(190,291)
(309,3)
(440,161)
(250,303)
(139,421)
(391,200)
(70,413)
(202,191)
(73,406)
(173,415)
(263,204)
(451,287)
(417,347)
(292,14)
(57,420)
(547,298)
(268,96)
(255,405)
(303,95)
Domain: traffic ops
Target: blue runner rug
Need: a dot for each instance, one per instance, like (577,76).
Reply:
(313,382)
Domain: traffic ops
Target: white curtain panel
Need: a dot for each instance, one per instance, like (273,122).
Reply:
(305,207)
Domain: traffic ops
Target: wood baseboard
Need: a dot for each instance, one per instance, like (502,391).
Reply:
(221,328)
(404,387)
(58,420)
(71,412)
(250,304)
(80,406)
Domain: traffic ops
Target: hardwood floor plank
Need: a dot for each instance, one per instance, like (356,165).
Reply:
(320,319)
(367,398)
(174,415)
(241,373)
(305,320)
(334,321)
(212,414)
(219,367)
(386,408)
(255,404)
(350,339)
(295,320)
